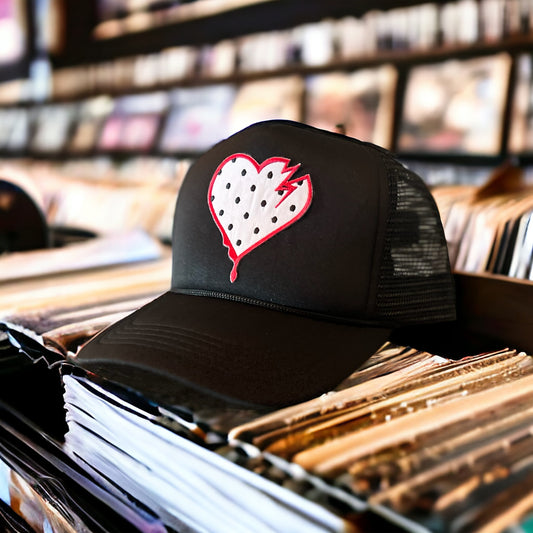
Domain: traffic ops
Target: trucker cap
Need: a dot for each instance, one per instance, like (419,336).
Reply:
(295,252)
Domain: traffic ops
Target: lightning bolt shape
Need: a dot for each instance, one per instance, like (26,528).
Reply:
(288,184)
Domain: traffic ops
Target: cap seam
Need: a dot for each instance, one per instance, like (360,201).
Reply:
(343,320)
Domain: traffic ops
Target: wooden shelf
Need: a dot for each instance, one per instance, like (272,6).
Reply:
(251,16)
(493,313)
(201,10)
(119,27)
(496,307)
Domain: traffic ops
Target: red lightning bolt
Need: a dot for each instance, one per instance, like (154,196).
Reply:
(287,184)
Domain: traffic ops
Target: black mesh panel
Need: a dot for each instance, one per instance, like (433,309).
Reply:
(415,284)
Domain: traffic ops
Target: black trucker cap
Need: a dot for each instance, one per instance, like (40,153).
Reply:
(296,251)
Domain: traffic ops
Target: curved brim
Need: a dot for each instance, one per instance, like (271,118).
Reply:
(234,351)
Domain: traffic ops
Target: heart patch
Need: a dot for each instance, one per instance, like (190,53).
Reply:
(252,202)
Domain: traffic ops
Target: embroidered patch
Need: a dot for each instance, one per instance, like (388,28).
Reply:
(251,202)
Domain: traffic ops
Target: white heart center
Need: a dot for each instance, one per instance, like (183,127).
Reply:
(251,202)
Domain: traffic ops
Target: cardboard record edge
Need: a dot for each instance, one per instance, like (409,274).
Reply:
(265,486)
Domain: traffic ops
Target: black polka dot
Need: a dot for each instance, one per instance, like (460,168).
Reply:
(252,188)
(234,159)
(219,172)
(221,212)
(239,242)
(246,215)
(237,200)
(256,230)
(274,220)
(230,227)
(292,207)
(269,175)
(243,172)
(300,183)
(228,185)
(212,198)
(281,193)
(263,203)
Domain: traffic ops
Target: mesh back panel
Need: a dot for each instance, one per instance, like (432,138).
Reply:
(415,283)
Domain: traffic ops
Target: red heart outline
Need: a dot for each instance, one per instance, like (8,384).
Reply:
(287,184)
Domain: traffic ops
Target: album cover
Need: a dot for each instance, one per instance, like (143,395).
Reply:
(526,257)
(134,122)
(53,125)
(91,116)
(273,98)
(140,132)
(111,133)
(20,130)
(522,252)
(360,103)
(198,118)
(327,99)
(521,124)
(13,30)
(7,119)
(455,107)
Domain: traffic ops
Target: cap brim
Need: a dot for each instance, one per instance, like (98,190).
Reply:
(234,351)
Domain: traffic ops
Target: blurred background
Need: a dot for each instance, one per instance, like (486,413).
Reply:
(105,103)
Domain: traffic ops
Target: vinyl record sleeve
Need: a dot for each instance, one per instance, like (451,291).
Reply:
(455,106)
(198,118)
(38,478)
(86,130)
(360,102)
(13,31)
(233,498)
(273,98)
(53,125)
